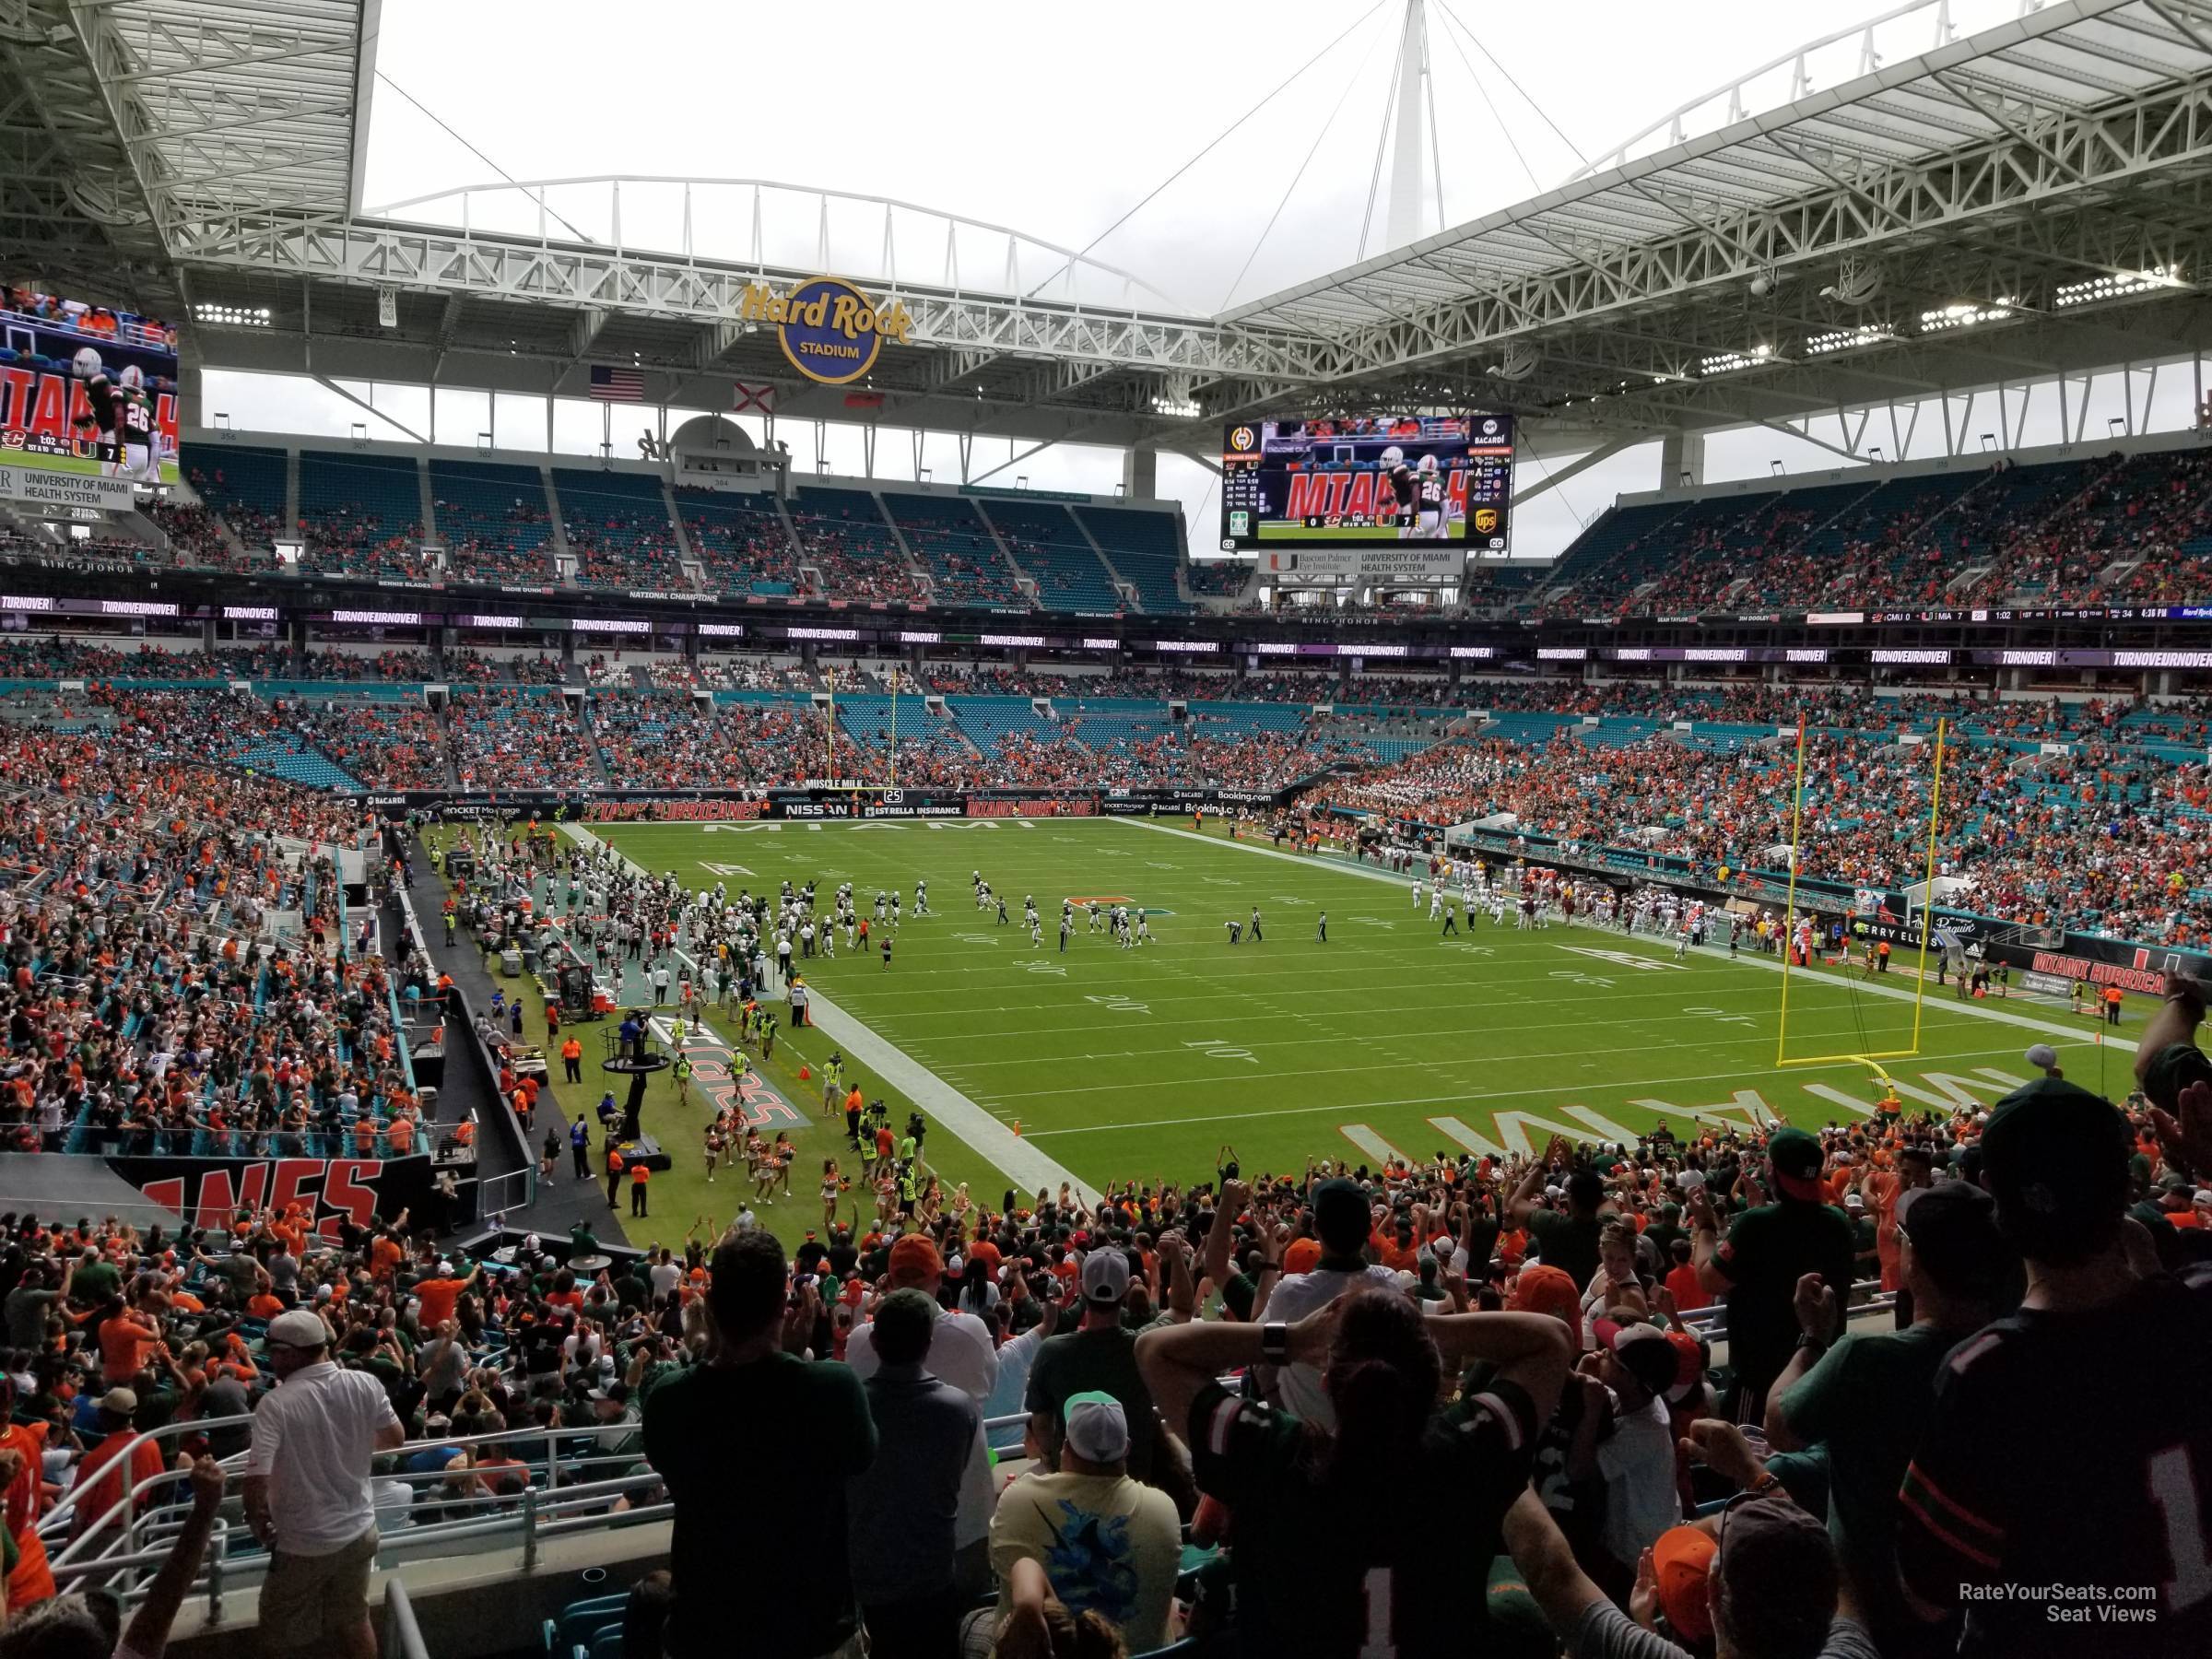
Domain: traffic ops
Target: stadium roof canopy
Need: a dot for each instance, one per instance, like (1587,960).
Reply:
(2031,201)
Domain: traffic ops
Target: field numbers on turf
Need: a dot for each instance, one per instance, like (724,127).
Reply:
(1118,1004)
(739,828)
(1575,977)
(1286,898)
(1221,881)
(976,938)
(1722,1014)
(1470,950)
(1215,1048)
(724,869)
(1626,958)
(1052,968)
(1370,922)
(1154,864)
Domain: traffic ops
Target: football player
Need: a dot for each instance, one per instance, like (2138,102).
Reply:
(1428,485)
(1399,477)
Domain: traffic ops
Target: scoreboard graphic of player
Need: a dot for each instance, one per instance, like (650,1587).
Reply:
(1443,480)
(87,390)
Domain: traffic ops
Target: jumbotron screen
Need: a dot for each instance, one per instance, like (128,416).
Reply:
(86,389)
(1425,480)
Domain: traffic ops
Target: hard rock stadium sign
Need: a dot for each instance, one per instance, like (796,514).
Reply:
(828,329)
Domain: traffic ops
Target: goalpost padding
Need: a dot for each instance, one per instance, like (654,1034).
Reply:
(1927,919)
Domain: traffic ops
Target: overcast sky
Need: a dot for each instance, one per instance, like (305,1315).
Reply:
(1056,120)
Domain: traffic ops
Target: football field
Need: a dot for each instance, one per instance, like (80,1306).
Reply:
(1390,1038)
(1339,533)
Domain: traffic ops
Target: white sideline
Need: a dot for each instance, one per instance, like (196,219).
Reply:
(969,1124)
(1978,1010)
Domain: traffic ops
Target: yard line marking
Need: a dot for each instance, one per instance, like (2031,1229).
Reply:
(1734,1074)
(1373,1144)
(968,1121)
(977,1128)
(1972,1011)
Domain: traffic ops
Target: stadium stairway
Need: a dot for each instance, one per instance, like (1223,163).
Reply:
(588,719)
(1144,546)
(1121,583)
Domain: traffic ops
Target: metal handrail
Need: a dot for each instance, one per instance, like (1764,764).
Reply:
(400,1637)
(584,1438)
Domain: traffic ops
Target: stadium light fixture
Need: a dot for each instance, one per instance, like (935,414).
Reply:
(2118,285)
(1968,313)
(1989,443)
(231,316)
(1848,339)
(1729,362)
(1176,408)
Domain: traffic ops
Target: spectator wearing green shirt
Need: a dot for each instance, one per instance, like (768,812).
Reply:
(1768,1250)
(1567,1239)
(1862,1400)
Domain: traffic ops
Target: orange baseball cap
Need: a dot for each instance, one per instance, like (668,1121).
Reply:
(1302,1256)
(1682,1562)
(1541,1289)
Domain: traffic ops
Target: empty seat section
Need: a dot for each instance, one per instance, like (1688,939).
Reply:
(954,544)
(362,514)
(1052,550)
(617,526)
(1146,546)
(494,519)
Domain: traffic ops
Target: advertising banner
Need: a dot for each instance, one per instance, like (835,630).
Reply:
(208,1191)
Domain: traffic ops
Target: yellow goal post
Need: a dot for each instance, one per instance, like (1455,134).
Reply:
(1927,918)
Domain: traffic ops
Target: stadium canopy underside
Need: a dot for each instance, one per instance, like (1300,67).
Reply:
(2031,201)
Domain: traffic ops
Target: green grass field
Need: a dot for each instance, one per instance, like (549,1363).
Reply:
(1145,1064)
(1344,533)
(81,467)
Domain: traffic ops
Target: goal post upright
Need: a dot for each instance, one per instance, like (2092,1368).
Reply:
(1928,891)
(1927,920)
(1789,915)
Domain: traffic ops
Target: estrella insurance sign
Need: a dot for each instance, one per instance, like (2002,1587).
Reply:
(828,329)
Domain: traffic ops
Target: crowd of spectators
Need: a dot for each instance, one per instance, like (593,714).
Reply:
(504,738)
(195,534)
(1266,1359)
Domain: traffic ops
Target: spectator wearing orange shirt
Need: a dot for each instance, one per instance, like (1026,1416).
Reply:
(125,1336)
(123,1460)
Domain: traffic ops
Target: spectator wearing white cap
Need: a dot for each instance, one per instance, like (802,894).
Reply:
(1109,1544)
(1097,1355)
(307,1491)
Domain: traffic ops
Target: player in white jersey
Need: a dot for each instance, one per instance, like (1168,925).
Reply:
(1498,907)
(1682,940)
(921,897)
(1036,932)
(1416,893)
(1144,928)
(1436,902)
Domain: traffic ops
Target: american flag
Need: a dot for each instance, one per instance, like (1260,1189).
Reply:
(619,385)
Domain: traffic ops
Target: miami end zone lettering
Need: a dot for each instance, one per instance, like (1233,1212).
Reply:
(211,1194)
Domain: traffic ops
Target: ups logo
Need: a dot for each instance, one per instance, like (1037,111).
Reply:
(1486,520)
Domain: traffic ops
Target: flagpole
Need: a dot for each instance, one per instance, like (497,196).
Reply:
(830,679)
(894,728)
